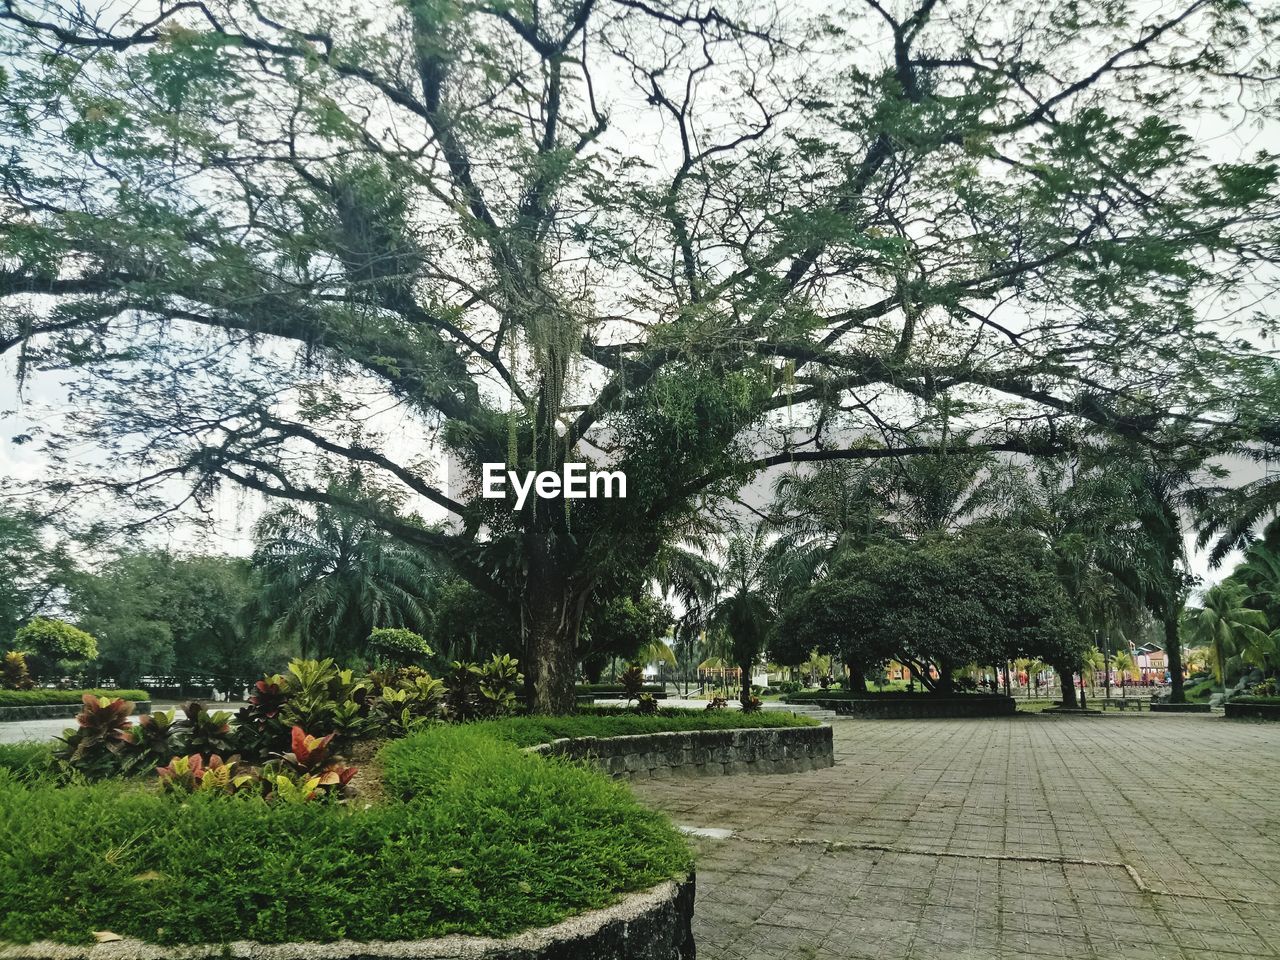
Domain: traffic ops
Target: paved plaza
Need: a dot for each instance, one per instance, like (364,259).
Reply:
(1033,836)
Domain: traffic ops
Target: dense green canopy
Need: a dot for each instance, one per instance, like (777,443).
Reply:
(691,240)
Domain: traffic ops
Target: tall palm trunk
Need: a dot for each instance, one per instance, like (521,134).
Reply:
(1173,650)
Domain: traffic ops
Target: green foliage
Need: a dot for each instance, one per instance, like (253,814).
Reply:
(204,732)
(632,681)
(463,697)
(41,697)
(986,595)
(158,614)
(14,674)
(30,572)
(500,682)
(190,774)
(330,577)
(52,642)
(398,647)
(739,284)
(99,745)
(646,705)
(491,841)
(27,762)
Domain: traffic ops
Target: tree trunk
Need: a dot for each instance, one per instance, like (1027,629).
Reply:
(551,642)
(746,681)
(1173,651)
(946,682)
(857,677)
(1068,685)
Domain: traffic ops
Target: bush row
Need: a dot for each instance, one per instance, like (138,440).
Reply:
(42,698)
(315,699)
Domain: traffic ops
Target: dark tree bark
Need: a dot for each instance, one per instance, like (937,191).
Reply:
(1173,651)
(552,620)
(946,680)
(857,677)
(1067,682)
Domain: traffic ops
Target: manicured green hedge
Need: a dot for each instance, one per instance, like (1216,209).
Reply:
(614,722)
(43,698)
(1249,698)
(476,837)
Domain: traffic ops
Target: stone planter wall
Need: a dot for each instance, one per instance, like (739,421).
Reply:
(918,707)
(702,753)
(654,924)
(55,711)
(1256,711)
(1180,708)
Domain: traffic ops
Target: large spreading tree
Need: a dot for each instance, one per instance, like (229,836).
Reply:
(689,240)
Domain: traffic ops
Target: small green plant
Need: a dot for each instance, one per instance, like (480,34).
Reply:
(752,704)
(191,774)
(463,697)
(646,705)
(306,770)
(202,731)
(151,739)
(632,680)
(500,681)
(15,675)
(259,726)
(101,739)
(396,646)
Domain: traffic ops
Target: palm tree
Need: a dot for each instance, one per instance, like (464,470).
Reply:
(744,611)
(819,515)
(1123,664)
(329,578)
(1227,627)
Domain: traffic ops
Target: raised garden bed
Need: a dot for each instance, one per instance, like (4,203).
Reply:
(1256,708)
(654,924)
(463,843)
(464,834)
(904,706)
(1180,708)
(702,753)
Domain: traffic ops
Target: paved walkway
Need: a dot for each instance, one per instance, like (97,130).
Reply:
(1127,837)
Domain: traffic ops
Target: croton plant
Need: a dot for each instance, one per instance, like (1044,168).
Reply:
(290,727)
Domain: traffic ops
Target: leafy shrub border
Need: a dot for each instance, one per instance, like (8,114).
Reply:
(55,698)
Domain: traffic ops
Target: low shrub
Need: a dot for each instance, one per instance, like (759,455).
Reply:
(1250,698)
(398,646)
(45,698)
(14,674)
(315,695)
(26,761)
(487,840)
